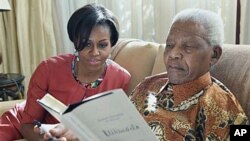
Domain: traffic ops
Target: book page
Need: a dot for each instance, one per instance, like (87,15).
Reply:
(111,117)
(52,105)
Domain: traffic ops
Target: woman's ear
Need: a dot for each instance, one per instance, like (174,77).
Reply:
(217,51)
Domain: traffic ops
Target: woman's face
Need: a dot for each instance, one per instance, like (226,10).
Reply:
(187,55)
(97,50)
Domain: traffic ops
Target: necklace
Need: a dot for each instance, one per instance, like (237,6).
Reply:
(93,84)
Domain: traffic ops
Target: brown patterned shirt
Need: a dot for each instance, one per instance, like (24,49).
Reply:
(199,110)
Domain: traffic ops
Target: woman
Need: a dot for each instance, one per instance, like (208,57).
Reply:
(72,77)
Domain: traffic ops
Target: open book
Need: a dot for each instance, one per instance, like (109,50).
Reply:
(107,116)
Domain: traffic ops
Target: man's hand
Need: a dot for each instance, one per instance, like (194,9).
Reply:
(60,132)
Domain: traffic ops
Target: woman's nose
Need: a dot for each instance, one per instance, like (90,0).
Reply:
(95,51)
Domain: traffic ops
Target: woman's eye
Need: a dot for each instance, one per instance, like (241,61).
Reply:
(88,45)
(103,45)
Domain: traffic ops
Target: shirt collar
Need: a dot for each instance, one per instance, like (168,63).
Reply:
(184,91)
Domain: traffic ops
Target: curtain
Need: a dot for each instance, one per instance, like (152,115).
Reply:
(245,22)
(37,29)
(27,36)
(144,19)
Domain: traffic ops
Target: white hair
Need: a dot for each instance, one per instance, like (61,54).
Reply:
(211,22)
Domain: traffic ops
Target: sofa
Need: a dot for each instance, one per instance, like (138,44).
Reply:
(142,58)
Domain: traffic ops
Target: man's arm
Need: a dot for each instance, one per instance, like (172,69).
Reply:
(28,133)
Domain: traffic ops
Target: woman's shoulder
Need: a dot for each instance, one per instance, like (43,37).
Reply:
(59,58)
(56,62)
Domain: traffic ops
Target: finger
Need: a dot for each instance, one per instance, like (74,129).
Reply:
(47,136)
(36,129)
(58,131)
(70,136)
(62,139)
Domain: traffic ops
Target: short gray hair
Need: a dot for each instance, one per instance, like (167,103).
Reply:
(209,20)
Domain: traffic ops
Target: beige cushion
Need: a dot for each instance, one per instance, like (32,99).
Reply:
(137,57)
(159,65)
(233,69)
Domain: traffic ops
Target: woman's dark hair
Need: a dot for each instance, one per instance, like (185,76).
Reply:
(84,19)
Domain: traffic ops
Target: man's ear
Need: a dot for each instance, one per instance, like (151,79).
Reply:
(217,51)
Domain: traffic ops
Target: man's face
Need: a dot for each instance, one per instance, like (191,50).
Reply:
(187,54)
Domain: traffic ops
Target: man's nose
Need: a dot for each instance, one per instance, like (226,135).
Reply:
(175,53)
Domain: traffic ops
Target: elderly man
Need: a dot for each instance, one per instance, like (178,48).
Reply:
(186,103)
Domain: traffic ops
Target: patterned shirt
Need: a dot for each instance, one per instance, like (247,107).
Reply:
(202,109)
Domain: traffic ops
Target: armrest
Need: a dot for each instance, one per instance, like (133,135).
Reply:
(6,105)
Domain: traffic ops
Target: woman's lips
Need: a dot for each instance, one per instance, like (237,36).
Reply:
(94,61)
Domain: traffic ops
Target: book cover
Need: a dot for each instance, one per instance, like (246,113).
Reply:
(107,116)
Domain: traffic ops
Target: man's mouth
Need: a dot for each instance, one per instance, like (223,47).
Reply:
(174,68)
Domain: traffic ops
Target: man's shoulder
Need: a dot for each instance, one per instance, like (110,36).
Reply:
(159,76)
(219,100)
(218,95)
(157,80)
(217,89)
(221,85)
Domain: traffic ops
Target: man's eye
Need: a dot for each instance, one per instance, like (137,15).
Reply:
(169,46)
(188,49)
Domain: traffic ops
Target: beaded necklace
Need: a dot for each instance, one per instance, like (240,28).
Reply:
(93,84)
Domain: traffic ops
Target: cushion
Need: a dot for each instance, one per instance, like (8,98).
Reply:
(159,65)
(137,57)
(233,69)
